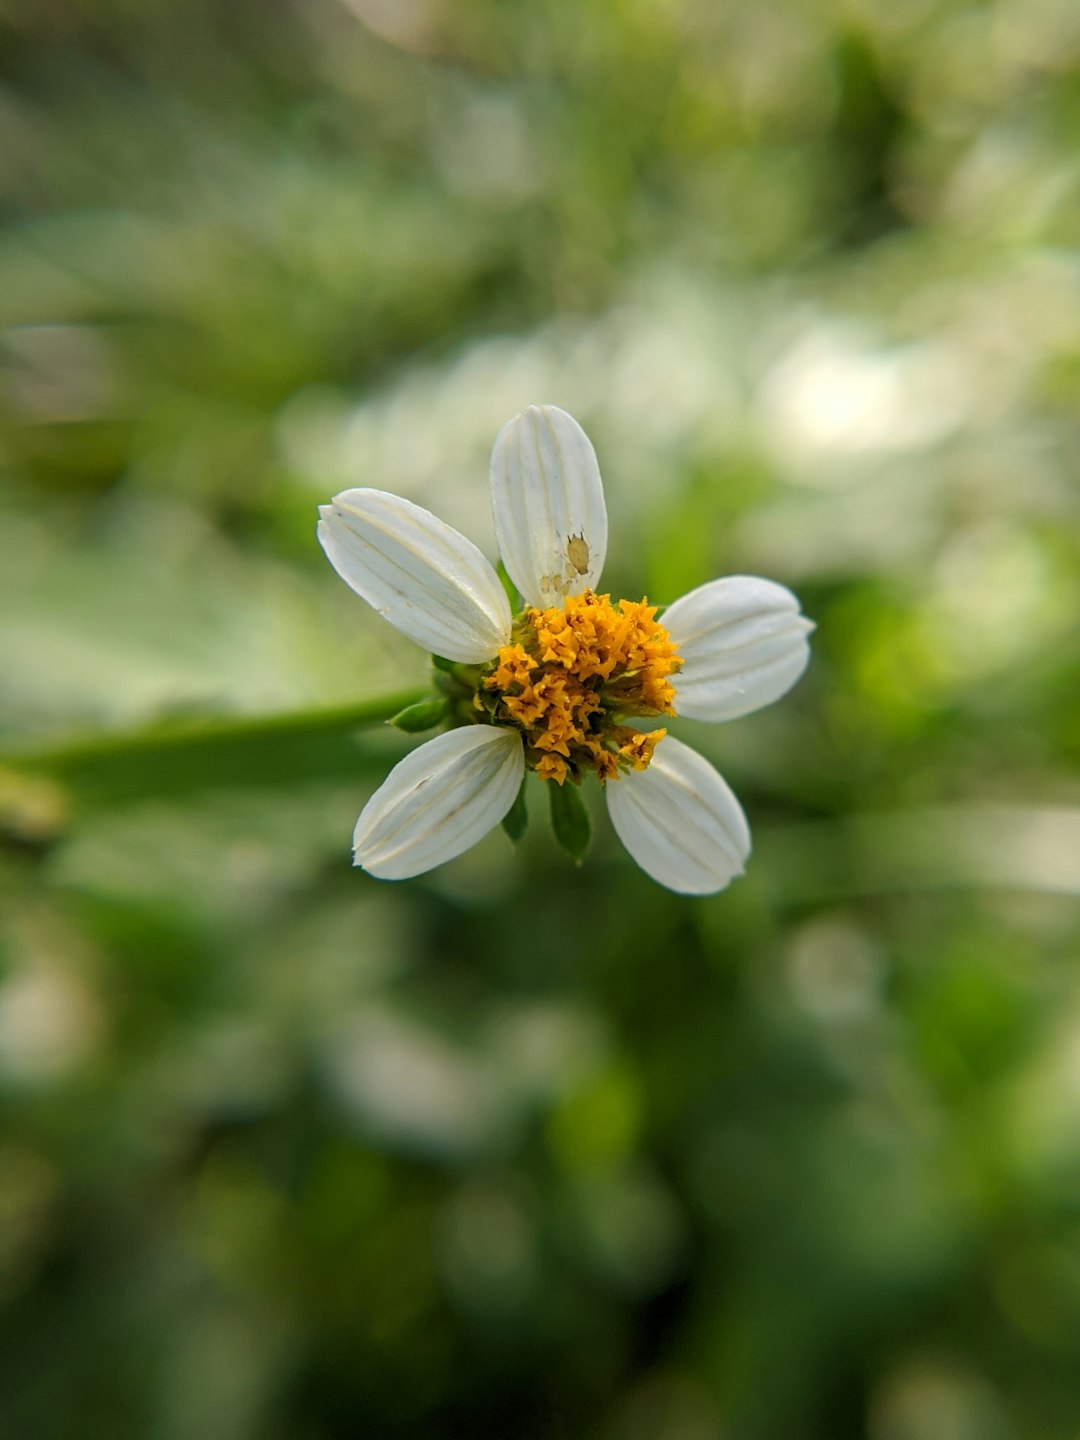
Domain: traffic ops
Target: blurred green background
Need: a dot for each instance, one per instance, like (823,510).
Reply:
(516,1149)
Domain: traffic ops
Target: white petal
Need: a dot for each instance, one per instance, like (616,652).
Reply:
(743,644)
(422,575)
(680,821)
(439,801)
(548,505)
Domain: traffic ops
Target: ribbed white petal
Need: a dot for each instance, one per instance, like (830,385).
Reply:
(743,644)
(680,821)
(548,505)
(439,801)
(422,575)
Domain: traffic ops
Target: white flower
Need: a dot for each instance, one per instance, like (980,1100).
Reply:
(574,682)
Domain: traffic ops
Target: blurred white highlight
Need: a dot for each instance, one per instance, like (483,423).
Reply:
(835,392)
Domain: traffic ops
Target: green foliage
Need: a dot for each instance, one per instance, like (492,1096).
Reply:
(570,822)
(516,820)
(522,1148)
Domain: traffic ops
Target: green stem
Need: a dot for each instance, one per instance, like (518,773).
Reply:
(170,758)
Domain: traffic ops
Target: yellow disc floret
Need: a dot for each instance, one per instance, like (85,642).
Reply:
(572,678)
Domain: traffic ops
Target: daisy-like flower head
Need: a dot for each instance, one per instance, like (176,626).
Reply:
(575,682)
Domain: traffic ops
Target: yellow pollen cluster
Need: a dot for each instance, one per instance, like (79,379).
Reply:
(571,677)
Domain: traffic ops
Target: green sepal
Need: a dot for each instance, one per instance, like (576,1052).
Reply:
(454,677)
(509,587)
(424,715)
(569,819)
(486,703)
(516,820)
(448,684)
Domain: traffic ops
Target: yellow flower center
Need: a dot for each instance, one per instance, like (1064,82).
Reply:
(573,675)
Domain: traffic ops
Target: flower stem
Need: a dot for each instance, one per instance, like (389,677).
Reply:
(174,757)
